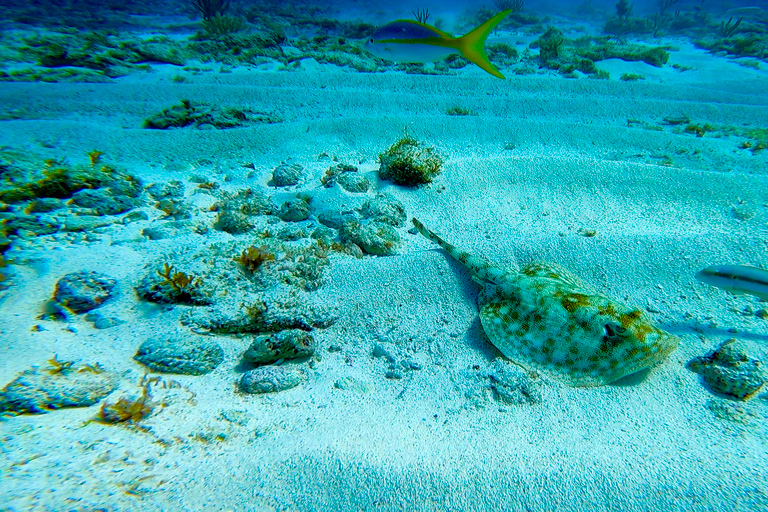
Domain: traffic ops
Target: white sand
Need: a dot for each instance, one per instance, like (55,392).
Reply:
(418,443)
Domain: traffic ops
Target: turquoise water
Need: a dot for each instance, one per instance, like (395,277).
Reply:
(215,297)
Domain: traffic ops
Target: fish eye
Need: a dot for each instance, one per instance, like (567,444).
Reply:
(370,40)
(614,329)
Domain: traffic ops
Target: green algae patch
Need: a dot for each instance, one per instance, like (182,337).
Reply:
(408,162)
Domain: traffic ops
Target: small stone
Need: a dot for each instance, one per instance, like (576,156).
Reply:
(83,291)
(762,313)
(270,379)
(285,175)
(189,356)
(730,371)
(288,344)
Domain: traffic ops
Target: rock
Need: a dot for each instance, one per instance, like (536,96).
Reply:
(288,344)
(44,204)
(269,379)
(102,201)
(188,356)
(295,210)
(83,291)
(372,237)
(385,209)
(354,182)
(285,175)
(84,222)
(100,321)
(730,371)
(233,222)
(60,384)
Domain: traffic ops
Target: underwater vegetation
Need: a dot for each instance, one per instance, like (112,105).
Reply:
(409,162)
(190,114)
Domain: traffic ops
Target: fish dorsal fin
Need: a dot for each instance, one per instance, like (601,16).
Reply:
(472,44)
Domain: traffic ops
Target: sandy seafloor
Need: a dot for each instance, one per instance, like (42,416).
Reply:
(543,157)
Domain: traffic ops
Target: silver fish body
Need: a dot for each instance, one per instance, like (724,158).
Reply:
(737,279)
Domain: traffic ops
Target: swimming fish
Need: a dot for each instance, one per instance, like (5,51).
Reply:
(737,279)
(412,41)
(544,318)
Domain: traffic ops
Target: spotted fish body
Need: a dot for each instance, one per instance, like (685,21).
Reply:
(544,318)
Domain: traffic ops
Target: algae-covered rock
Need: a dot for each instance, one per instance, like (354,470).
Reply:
(57,385)
(386,209)
(83,291)
(285,174)
(190,356)
(271,379)
(270,311)
(197,115)
(103,202)
(408,162)
(372,237)
(347,177)
(233,222)
(288,344)
(729,370)
(354,182)
(295,210)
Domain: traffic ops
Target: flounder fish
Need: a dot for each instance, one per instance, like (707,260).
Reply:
(544,318)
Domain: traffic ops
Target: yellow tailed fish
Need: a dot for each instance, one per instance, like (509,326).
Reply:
(412,41)
(544,318)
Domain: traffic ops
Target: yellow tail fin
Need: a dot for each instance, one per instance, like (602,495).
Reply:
(472,44)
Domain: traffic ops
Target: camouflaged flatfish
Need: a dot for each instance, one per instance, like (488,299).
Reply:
(544,318)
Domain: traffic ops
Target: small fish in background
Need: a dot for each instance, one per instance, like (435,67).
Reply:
(737,279)
(413,41)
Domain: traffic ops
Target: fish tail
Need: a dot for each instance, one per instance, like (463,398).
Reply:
(472,45)
(481,270)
